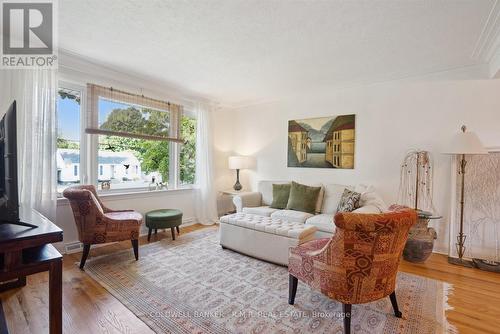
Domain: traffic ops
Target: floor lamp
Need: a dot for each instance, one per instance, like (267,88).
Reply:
(463,143)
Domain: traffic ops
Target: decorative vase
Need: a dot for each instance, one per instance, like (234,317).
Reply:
(420,241)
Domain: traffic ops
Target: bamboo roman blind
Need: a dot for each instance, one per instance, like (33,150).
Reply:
(95,92)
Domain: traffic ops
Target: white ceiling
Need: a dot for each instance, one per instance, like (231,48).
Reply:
(239,52)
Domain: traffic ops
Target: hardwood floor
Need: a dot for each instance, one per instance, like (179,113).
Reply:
(89,308)
(475,297)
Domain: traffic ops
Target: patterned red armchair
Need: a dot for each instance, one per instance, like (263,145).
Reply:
(358,264)
(98,224)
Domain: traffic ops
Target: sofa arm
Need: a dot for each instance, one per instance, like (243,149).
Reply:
(247,200)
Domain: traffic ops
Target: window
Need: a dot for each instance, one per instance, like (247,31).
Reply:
(127,163)
(68,137)
(187,155)
(136,162)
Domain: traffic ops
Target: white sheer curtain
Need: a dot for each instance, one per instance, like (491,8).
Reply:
(35,94)
(205,203)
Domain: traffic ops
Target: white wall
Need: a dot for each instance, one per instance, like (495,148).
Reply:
(391,118)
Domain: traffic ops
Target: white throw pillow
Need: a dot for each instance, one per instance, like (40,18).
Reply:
(369,197)
(367,209)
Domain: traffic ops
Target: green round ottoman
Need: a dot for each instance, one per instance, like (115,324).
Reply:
(163,218)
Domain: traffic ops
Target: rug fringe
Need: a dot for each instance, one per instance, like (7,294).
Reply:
(448,291)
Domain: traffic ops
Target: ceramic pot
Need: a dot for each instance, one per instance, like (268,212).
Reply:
(420,241)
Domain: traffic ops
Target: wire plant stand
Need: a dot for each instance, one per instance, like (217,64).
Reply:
(415,190)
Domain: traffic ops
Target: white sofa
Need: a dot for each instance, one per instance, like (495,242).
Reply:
(258,203)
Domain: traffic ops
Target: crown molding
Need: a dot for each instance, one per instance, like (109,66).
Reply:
(488,42)
(469,72)
(495,66)
(79,69)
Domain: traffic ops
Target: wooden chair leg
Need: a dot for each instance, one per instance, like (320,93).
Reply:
(394,303)
(172,229)
(149,234)
(85,254)
(135,246)
(292,288)
(347,318)
(178,230)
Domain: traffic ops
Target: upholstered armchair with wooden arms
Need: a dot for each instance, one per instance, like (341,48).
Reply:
(98,224)
(358,264)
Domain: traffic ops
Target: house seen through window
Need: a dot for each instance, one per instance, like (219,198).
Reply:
(131,162)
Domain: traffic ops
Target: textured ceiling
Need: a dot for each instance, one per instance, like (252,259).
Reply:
(240,52)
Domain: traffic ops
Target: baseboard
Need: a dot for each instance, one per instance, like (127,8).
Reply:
(440,252)
(77,246)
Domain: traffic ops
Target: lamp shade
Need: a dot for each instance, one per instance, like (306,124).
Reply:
(465,143)
(240,162)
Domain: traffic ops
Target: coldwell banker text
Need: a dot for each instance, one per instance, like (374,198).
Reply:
(28,34)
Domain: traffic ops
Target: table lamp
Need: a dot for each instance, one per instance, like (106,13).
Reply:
(462,144)
(239,162)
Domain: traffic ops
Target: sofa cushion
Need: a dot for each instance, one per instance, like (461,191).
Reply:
(324,222)
(303,198)
(291,216)
(281,193)
(331,200)
(260,210)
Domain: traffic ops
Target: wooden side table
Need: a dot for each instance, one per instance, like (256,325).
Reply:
(26,251)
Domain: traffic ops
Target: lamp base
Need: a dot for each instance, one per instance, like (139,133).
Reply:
(237,186)
(460,262)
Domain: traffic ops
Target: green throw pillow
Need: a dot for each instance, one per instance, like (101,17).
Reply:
(303,198)
(281,192)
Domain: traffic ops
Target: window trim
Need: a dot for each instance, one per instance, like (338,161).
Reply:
(83,168)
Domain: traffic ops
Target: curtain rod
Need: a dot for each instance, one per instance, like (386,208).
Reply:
(136,95)
(93,131)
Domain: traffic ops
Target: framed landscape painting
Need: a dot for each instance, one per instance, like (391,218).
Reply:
(324,142)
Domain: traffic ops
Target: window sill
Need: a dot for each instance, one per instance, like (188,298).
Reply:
(119,195)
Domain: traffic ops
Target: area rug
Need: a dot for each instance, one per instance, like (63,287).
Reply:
(192,285)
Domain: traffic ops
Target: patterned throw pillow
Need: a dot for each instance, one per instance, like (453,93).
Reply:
(349,201)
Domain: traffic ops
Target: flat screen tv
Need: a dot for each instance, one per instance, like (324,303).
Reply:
(9,201)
